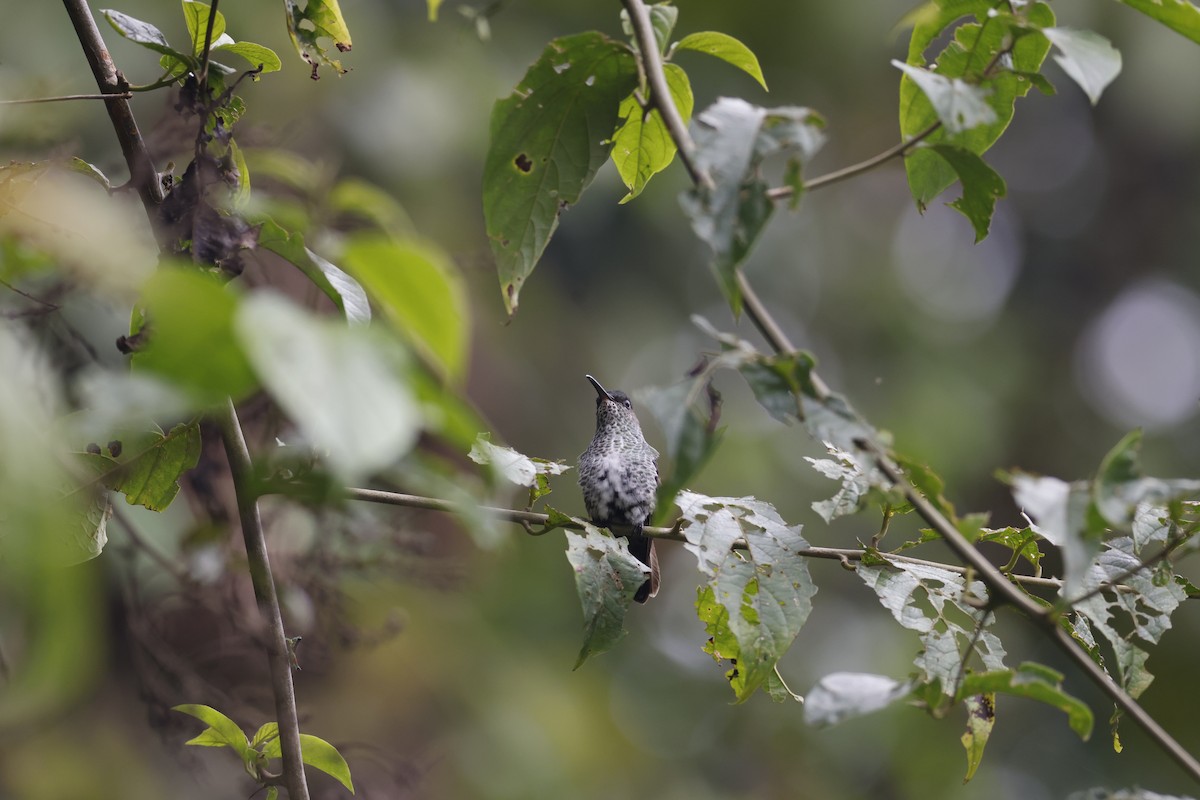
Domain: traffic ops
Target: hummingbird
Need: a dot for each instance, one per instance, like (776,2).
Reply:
(619,477)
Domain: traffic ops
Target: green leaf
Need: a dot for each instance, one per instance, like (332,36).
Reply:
(148,473)
(195,15)
(981,186)
(268,732)
(315,752)
(732,138)
(1088,58)
(511,465)
(221,731)
(340,385)
(939,605)
(840,696)
(1181,16)
(1036,682)
(1120,487)
(959,105)
(432,7)
(139,32)
(726,48)
(319,19)
(606,577)
(974,48)
(765,593)
(345,292)
(421,292)
(547,140)
(256,54)
(981,717)
(189,335)
(642,146)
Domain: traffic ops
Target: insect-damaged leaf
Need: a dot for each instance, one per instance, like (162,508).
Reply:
(319,19)
(757,600)
(147,472)
(547,139)
(607,577)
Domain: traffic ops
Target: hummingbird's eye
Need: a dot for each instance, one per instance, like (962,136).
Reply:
(628,403)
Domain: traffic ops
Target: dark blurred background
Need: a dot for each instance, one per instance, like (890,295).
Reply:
(450,672)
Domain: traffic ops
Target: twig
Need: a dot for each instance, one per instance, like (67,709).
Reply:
(838,175)
(660,95)
(268,601)
(62,97)
(142,172)
(674,534)
(202,77)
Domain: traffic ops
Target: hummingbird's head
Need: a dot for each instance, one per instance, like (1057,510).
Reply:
(613,407)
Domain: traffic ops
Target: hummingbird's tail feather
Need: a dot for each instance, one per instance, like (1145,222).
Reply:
(642,548)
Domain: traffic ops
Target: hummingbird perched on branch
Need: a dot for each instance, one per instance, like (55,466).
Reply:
(619,477)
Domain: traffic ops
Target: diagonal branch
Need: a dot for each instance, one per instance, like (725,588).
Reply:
(997,584)
(142,173)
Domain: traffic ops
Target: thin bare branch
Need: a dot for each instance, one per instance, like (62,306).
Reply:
(64,97)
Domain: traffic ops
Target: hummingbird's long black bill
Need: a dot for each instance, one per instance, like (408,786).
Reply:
(600,390)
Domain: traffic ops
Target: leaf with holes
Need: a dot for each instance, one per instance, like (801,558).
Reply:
(760,597)
(981,186)
(606,577)
(939,605)
(317,20)
(547,140)
(147,472)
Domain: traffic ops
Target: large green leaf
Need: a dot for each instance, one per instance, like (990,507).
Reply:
(1181,16)
(726,48)
(343,290)
(642,146)
(147,472)
(607,577)
(189,338)
(421,293)
(732,138)
(756,601)
(960,106)
(547,140)
(341,385)
(973,58)
(688,414)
